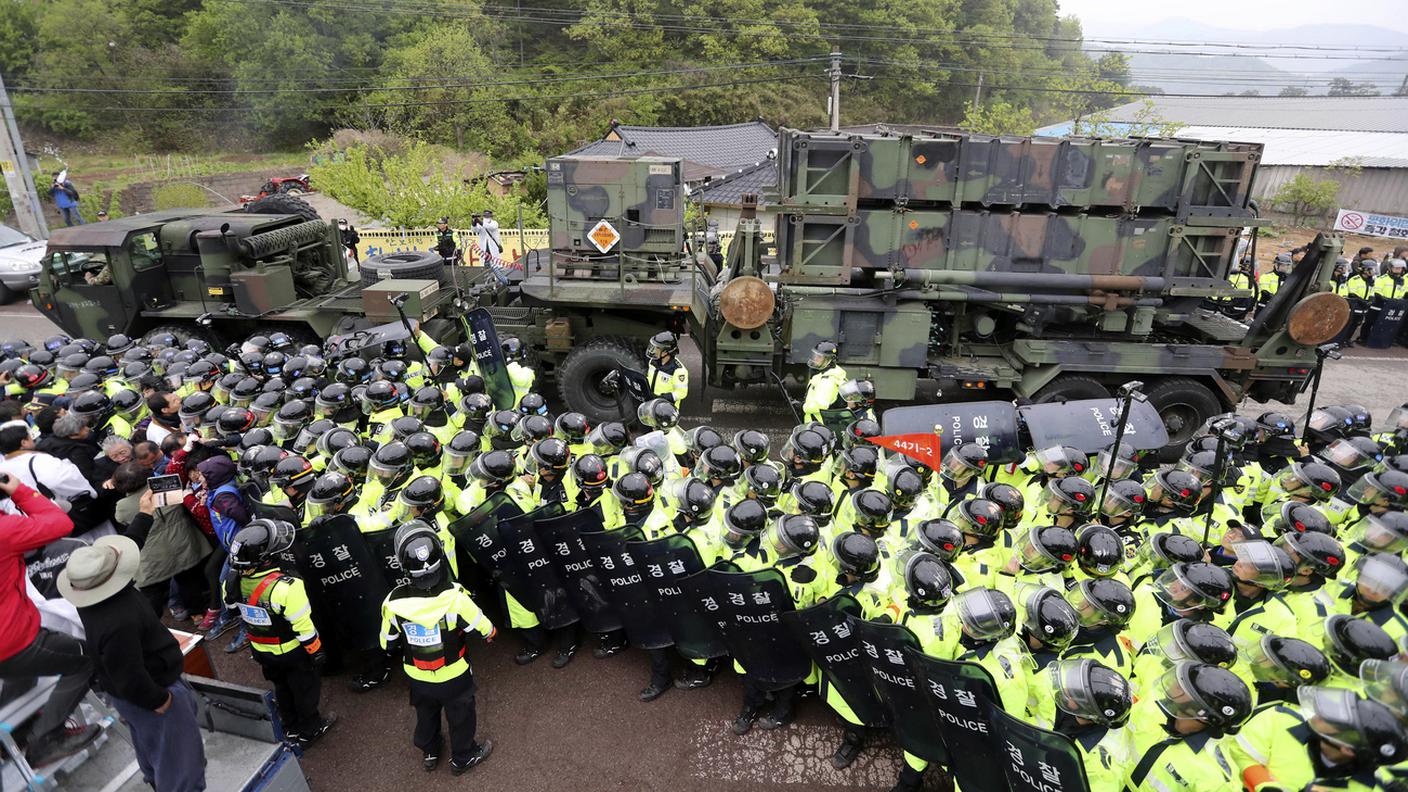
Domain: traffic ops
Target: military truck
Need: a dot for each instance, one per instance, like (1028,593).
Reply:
(222,275)
(1041,268)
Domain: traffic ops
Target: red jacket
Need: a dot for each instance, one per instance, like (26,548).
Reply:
(44,522)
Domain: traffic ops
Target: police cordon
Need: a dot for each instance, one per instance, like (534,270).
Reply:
(1165,635)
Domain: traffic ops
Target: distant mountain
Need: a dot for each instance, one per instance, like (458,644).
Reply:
(1266,71)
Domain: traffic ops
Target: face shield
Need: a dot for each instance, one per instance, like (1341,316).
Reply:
(1118,506)
(386,475)
(1398,418)
(457,461)
(1379,536)
(1333,715)
(1178,698)
(818,360)
(1174,591)
(1347,456)
(1386,681)
(1035,556)
(784,543)
(1296,484)
(1126,463)
(189,423)
(286,428)
(1070,681)
(983,615)
(1260,564)
(958,468)
(1055,461)
(1056,502)
(1380,581)
(1091,612)
(1370,491)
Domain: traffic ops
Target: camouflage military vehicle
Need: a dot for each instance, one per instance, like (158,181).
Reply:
(1045,268)
(273,265)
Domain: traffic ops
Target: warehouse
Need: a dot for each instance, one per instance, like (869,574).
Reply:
(1359,141)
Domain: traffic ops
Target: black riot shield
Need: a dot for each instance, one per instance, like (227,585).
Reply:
(882,649)
(477,541)
(748,608)
(636,388)
(1090,424)
(382,545)
(576,567)
(960,698)
(632,596)
(991,424)
(546,595)
(1384,332)
(343,575)
(1037,760)
(489,357)
(827,637)
(670,564)
(44,565)
(837,419)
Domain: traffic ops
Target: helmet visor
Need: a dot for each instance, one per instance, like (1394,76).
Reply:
(982,616)
(1258,563)
(1054,461)
(1398,419)
(285,428)
(1332,714)
(1124,466)
(1118,505)
(777,539)
(1380,535)
(1174,591)
(457,461)
(1257,654)
(381,472)
(1070,680)
(1345,454)
(1386,681)
(1092,612)
(1381,581)
(958,468)
(1055,501)
(316,508)
(1370,491)
(1177,696)
(1036,557)
(818,359)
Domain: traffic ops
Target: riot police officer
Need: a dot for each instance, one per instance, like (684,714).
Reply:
(426,623)
(669,378)
(824,386)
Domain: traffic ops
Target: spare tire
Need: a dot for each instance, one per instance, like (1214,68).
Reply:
(282,204)
(414,264)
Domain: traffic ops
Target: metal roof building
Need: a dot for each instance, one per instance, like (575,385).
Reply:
(1319,135)
(707,151)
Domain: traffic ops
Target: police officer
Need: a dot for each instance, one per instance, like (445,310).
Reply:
(1092,707)
(278,619)
(1176,734)
(1241,278)
(520,376)
(669,378)
(445,243)
(1359,289)
(426,622)
(824,386)
(1270,283)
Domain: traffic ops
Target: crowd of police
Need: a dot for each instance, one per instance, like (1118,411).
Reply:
(1235,619)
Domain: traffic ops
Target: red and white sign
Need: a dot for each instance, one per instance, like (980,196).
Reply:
(921,446)
(1371,224)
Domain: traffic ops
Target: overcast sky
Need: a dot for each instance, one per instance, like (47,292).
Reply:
(1121,17)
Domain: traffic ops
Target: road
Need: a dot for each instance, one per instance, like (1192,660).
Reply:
(583,728)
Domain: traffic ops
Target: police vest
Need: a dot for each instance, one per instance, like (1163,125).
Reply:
(268,630)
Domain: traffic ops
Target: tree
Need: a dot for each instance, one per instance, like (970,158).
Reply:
(1340,86)
(1305,197)
(1293,90)
(999,118)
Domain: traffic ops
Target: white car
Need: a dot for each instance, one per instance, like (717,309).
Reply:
(21,256)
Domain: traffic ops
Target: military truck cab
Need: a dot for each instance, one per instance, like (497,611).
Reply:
(168,268)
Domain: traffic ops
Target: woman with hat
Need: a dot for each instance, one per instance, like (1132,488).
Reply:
(138,661)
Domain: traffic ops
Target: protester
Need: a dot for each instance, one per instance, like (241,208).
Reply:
(229,512)
(173,548)
(70,438)
(55,478)
(26,648)
(138,663)
(65,197)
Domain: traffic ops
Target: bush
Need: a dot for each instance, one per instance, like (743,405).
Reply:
(414,188)
(1305,197)
(180,195)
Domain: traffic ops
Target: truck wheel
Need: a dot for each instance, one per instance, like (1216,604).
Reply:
(579,378)
(282,204)
(1071,387)
(412,265)
(1184,404)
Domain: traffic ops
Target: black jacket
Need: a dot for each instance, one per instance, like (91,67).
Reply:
(82,453)
(136,657)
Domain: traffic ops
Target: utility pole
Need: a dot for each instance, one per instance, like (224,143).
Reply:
(20,182)
(978,94)
(835,91)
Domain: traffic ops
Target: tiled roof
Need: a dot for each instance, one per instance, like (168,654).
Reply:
(759,179)
(706,150)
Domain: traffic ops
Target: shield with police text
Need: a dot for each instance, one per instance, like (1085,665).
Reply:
(748,608)
(576,567)
(826,635)
(477,541)
(991,424)
(382,545)
(343,575)
(959,698)
(636,388)
(882,649)
(546,593)
(1384,332)
(632,596)
(1091,424)
(489,357)
(670,563)
(1037,760)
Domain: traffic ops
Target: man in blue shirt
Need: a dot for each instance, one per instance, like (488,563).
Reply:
(65,198)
